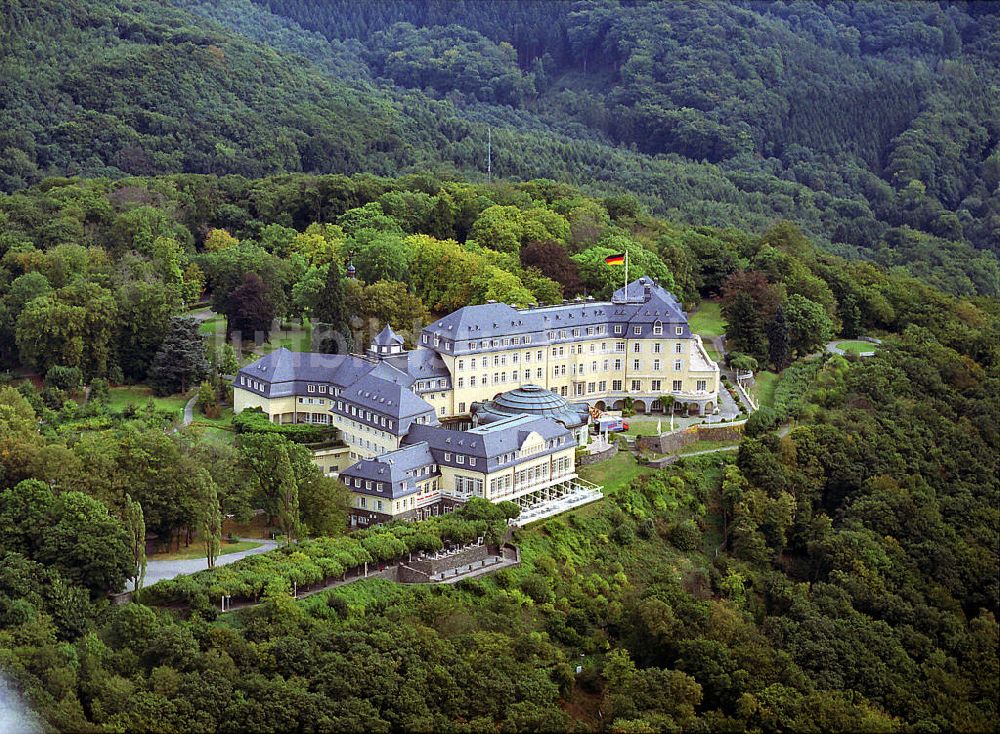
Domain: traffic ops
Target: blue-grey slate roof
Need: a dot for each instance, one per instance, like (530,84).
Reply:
(491,442)
(647,303)
(387,338)
(396,471)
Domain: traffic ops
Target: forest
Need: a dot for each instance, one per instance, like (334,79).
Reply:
(187,185)
(838,573)
(873,126)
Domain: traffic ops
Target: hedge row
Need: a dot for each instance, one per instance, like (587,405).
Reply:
(253,420)
(320,560)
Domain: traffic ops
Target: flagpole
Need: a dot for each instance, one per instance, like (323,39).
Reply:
(626,276)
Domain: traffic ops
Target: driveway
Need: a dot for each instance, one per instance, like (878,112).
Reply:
(163,570)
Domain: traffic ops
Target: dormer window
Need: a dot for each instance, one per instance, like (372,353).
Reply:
(311,388)
(679,331)
(657,329)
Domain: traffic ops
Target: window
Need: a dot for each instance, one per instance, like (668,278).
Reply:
(602,386)
(679,330)
(311,388)
(636,385)
(637,330)
(472,381)
(701,386)
(362,502)
(657,328)
(472,461)
(677,348)
(461,364)
(655,386)
(637,347)
(618,365)
(616,385)
(447,457)
(657,347)
(656,365)
(620,347)
(461,407)
(619,328)
(423,338)
(677,364)
(460,458)
(635,364)
(677,386)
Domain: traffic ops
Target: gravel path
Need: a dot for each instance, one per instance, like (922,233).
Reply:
(163,570)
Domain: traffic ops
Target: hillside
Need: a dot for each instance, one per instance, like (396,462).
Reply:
(874,129)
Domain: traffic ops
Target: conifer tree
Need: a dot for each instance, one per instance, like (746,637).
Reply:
(777,340)
(180,361)
(331,312)
(135,524)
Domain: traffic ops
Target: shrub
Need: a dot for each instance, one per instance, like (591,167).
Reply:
(64,378)
(763,420)
(537,588)
(253,420)
(685,535)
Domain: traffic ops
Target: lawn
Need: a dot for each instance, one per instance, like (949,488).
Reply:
(852,346)
(195,551)
(212,434)
(213,325)
(706,445)
(764,384)
(614,473)
(645,426)
(120,397)
(225,419)
(707,320)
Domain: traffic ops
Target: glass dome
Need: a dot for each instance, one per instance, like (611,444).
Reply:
(531,400)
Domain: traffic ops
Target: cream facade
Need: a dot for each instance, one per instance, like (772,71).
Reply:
(520,459)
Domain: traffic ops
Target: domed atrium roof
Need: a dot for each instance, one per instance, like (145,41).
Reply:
(531,400)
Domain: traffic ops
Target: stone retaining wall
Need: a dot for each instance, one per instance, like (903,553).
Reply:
(428,567)
(672,442)
(588,459)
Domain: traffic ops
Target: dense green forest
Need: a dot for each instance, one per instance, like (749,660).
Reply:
(180,178)
(873,126)
(837,574)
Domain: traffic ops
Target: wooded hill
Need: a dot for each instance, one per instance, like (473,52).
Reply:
(874,126)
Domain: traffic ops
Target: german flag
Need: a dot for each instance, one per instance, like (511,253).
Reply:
(615,259)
